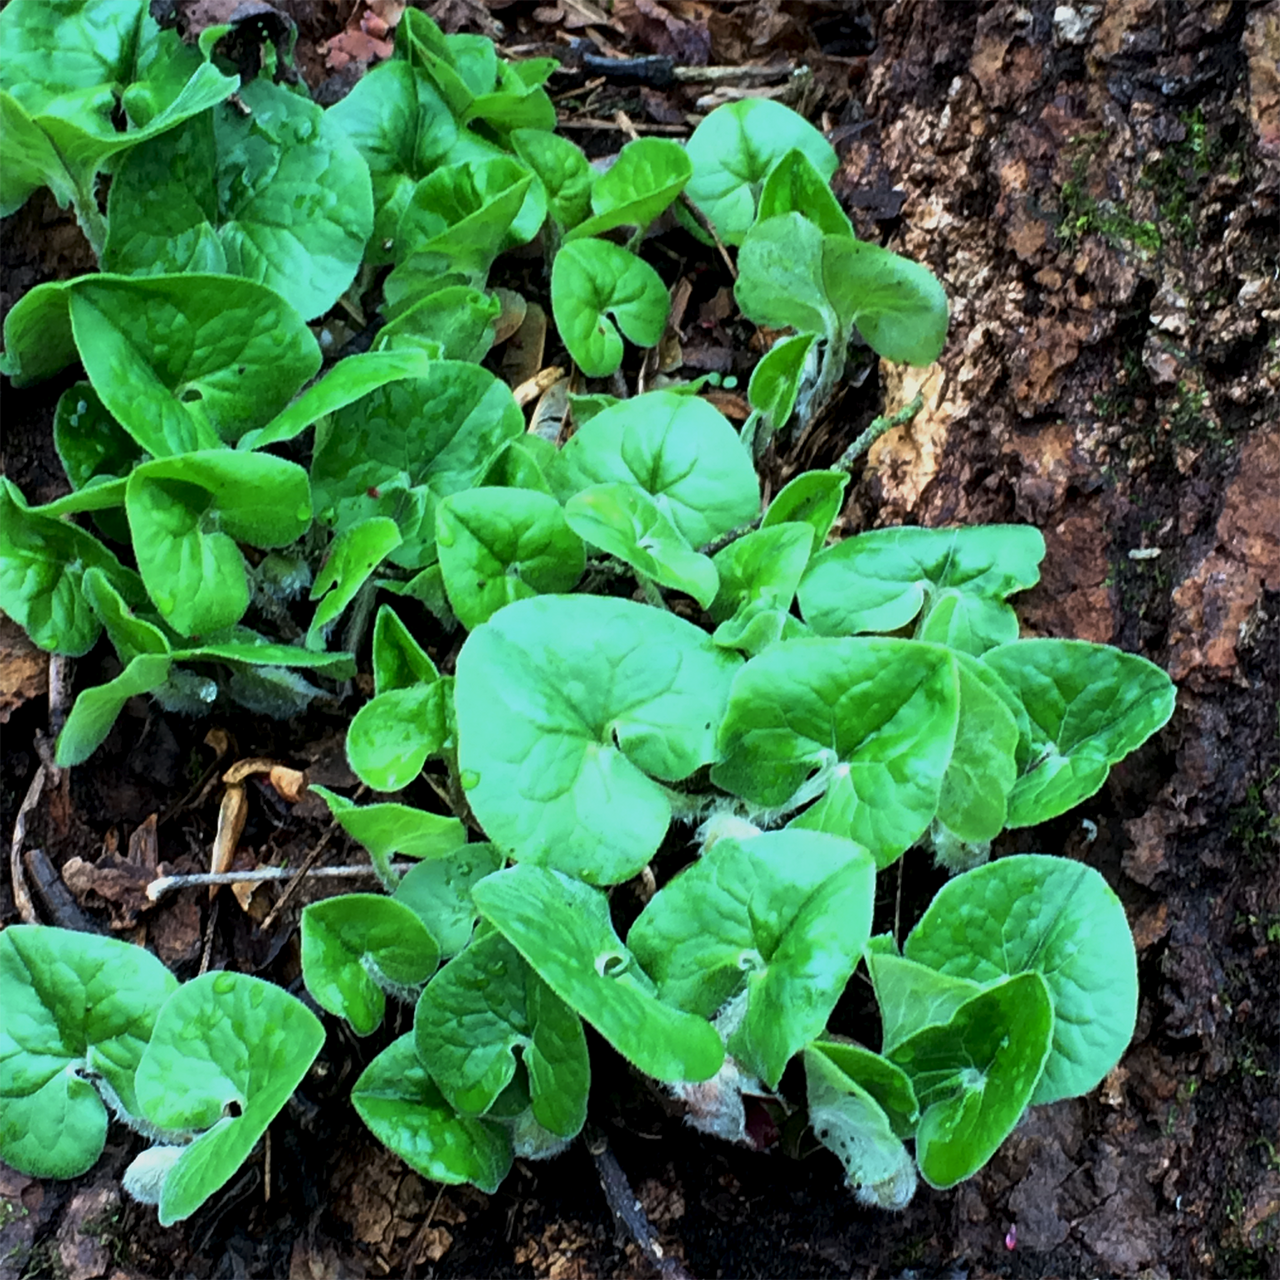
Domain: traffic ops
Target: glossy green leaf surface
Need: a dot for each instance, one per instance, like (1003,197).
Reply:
(438,891)
(71,1000)
(115,82)
(780,277)
(436,433)
(404,1109)
(42,565)
(568,707)
(975,1075)
(884,1081)
(679,450)
(866,725)
(794,185)
(1087,707)
(501,545)
(563,171)
(899,305)
(188,362)
(973,803)
(456,319)
(395,733)
(758,578)
(129,634)
(391,828)
(226,1053)
(912,995)
(732,151)
(624,521)
(562,928)
(647,176)
(352,557)
(481,1010)
(277,194)
(95,710)
(399,123)
(879,581)
(349,380)
(597,289)
(356,945)
(186,515)
(399,661)
(92,446)
(813,498)
(38,341)
(791,273)
(783,916)
(456,221)
(1061,919)
(775,381)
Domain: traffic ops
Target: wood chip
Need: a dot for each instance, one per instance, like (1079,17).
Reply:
(532,388)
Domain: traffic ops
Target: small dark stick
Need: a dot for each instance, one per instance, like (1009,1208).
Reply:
(627,1211)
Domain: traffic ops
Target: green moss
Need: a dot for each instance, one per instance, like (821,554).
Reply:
(1188,422)
(1174,177)
(1255,830)
(11,1211)
(1083,214)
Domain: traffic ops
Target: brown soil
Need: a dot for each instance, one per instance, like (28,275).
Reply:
(1099,188)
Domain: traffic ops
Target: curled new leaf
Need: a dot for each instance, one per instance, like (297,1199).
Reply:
(678,449)
(624,521)
(404,1109)
(647,176)
(185,515)
(734,149)
(975,1074)
(42,564)
(1060,919)
(879,581)
(865,725)
(780,918)
(356,946)
(226,1053)
(482,1008)
(1087,706)
(592,280)
(500,545)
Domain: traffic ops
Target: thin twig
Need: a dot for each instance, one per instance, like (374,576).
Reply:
(307,863)
(589,122)
(421,1237)
(167,884)
(751,74)
(719,544)
(705,223)
(207,954)
(627,1211)
(61,671)
(21,894)
(876,429)
(47,885)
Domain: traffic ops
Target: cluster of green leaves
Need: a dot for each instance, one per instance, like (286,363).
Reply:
(578,726)
(229,225)
(201,1068)
(857,698)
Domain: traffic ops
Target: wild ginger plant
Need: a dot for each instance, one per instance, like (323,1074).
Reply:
(644,646)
